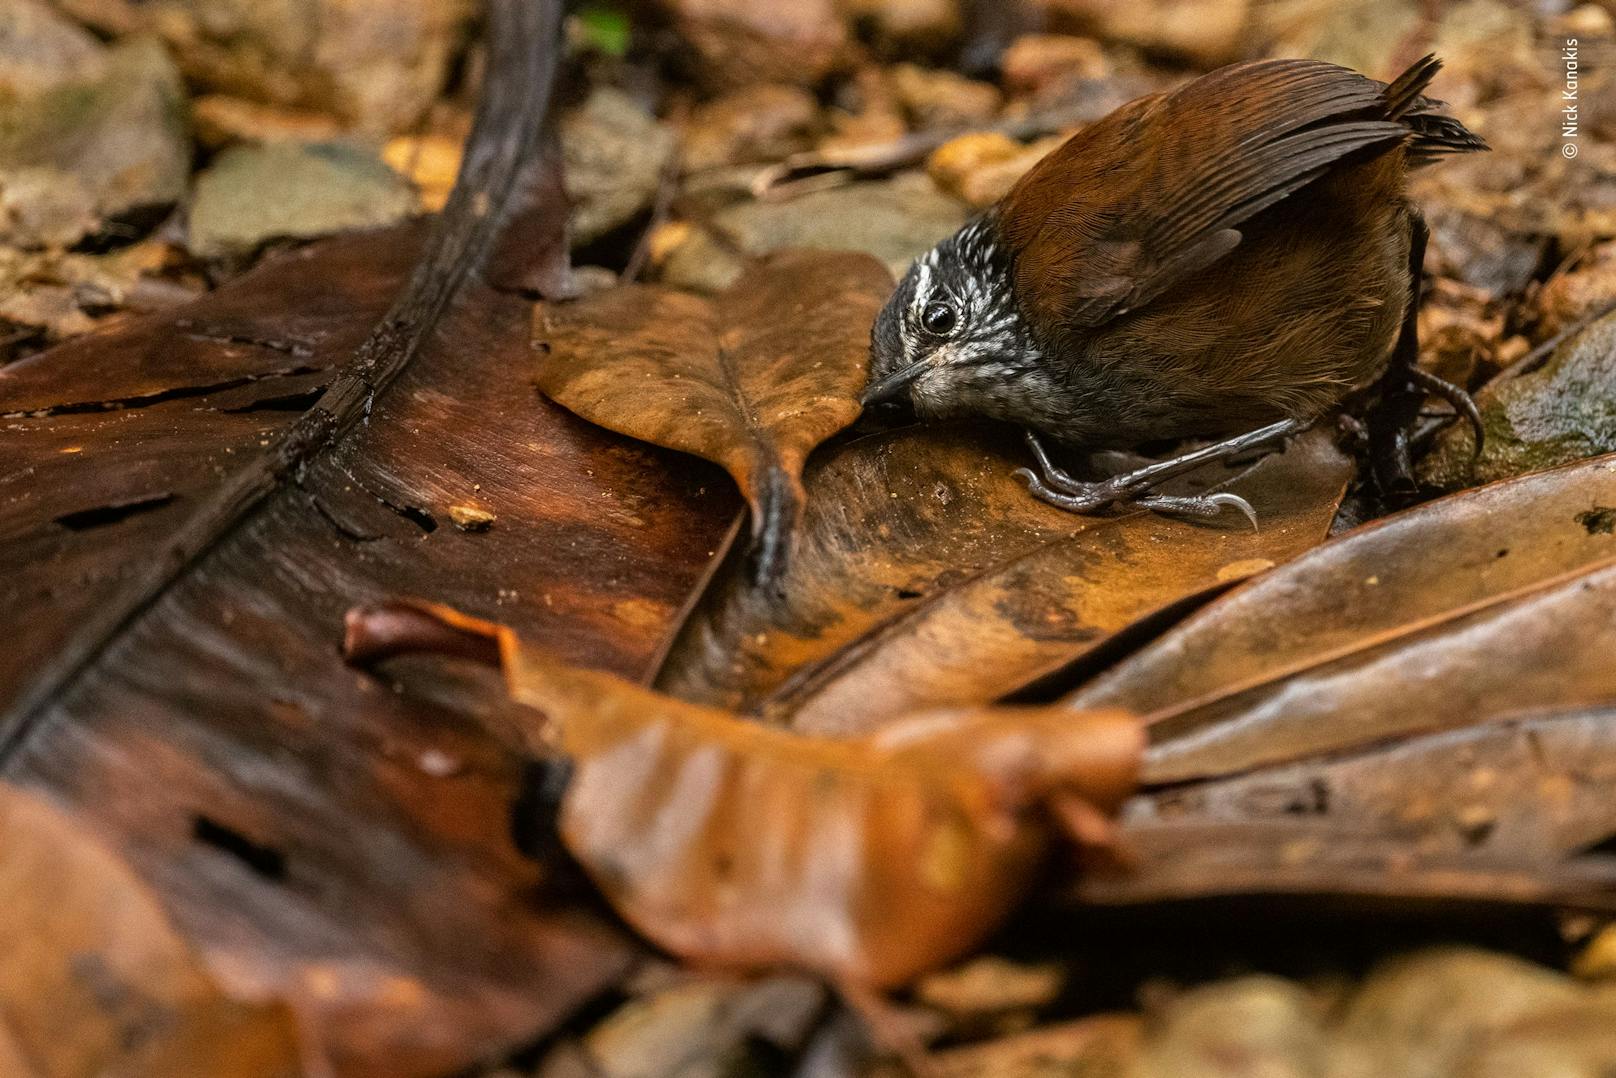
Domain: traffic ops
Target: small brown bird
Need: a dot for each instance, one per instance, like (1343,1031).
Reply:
(1237,255)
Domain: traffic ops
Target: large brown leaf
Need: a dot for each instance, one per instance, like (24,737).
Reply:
(1488,603)
(732,843)
(1310,860)
(1528,790)
(94,980)
(752,380)
(926,575)
(314,833)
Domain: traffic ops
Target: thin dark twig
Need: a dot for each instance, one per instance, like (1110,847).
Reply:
(818,169)
(667,190)
(1534,359)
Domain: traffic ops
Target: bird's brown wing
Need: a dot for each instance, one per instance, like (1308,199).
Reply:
(1157,190)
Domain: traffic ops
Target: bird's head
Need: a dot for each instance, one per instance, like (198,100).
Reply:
(951,341)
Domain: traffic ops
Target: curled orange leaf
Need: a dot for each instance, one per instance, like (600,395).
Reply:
(869,859)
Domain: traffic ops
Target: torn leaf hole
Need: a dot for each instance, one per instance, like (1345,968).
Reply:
(1314,801)
(1600,520)
(286,402)
(265,861)
(341,528)
(221,335)
(102,515)
(415,515)
(147,400)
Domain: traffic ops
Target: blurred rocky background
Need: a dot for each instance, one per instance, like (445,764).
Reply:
(150,149)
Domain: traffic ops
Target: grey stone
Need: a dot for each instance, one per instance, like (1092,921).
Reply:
(1563,411)
(376,64)
(39,49)
(251,194)
(894,220)
(84,149)
(615,153)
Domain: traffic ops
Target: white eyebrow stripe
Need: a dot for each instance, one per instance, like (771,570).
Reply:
(922,287)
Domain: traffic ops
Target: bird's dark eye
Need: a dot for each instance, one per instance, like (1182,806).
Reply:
(938,318)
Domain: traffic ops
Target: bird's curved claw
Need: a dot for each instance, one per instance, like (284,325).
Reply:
(1237,502)
(1204,506)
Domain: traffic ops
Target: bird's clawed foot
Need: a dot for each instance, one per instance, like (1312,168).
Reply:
(1464,405)
(1082,497)
(1053,485)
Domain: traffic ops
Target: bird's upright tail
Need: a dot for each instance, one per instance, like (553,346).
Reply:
(1435,133)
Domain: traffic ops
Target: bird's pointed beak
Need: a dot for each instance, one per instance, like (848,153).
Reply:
(892,384)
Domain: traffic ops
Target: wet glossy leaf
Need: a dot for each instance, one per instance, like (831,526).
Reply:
(1491,602)
(205,493)
(1016,621)
(752,380)
(732,843)
(927,575)
(94,979)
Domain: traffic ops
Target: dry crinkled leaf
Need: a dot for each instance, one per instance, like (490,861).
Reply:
(751,380)
(94,980)
(732,843)
(894,518)
(926,575)
(1547,646)
(1438,616)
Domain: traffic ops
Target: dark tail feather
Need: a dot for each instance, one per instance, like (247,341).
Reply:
(1435,134)
(1404,92)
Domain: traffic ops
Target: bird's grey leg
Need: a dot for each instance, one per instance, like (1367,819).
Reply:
(1399,399)
(1058,488)
(1050,472)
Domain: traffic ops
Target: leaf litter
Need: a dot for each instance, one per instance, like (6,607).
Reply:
(1454,746)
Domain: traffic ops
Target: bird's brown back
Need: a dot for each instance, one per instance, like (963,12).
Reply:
(1157,191)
